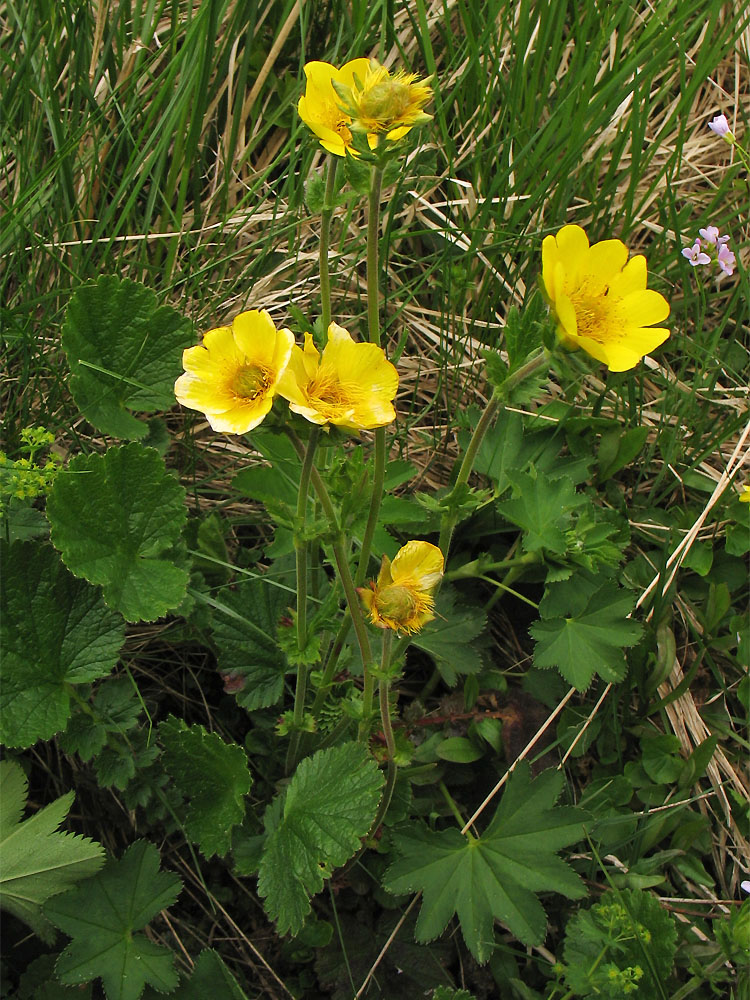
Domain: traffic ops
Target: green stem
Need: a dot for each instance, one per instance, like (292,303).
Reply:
(373,329)
(383,687)
(477,569)
(345,576)
(454,808)
(450,517)
(325,234)
(504,587)
(390,742)
(331,662)
(378,478)
(494,404)
(301,550)
(373,278)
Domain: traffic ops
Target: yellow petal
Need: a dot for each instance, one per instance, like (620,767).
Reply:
(632,278)
(605,260)
(319,76)
(384,576)
(566,316)
(355,68)
(242,418)
(294,379)
(419,563)
(573,251)
(199,394)
(255,336)
(550,258)
(221,346)
(645,307)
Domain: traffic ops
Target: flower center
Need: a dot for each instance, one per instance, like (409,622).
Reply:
(397,604)
(385,101)
(329,397)
(251,381)
(334,118)
(597,317)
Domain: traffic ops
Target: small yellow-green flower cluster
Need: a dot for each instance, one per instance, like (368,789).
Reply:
(27,478)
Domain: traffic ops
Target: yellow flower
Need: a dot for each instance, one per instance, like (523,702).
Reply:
(600,299)
(320,106)
(402,597)
(745,495)
(234,374)
(350,384)
(384,103)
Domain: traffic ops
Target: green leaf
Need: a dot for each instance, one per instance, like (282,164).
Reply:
(114,519)
(102,918)
(125,353)
(584,628)
(275,485)
(358,174)
(314,194)
(542,508)
(329,806)
(458,750)
(213,776)
(245,630)
(38,861)
(448,638)
(494,876)
(40,983)
(623,946)
(23,522)
(618,448)
(522,334)
(209,980)
(55,632)
(660,756)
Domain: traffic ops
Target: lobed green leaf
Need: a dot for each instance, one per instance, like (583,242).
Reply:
(102,919)
(56,631)
(38,861)
(329,806)
(125,353)
(494,876)
(114,519)
(213,776)
(584,629)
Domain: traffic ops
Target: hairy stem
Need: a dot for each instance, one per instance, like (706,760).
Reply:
(345,576)
(325,236)
(301,550)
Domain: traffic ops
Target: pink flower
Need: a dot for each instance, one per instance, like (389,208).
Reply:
(711,235)
(720,126)
(695,255)
(726,260)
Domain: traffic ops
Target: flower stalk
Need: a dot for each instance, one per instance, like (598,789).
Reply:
(325,239)
(350,593)
(373,327)
(494,404)
(301,547)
